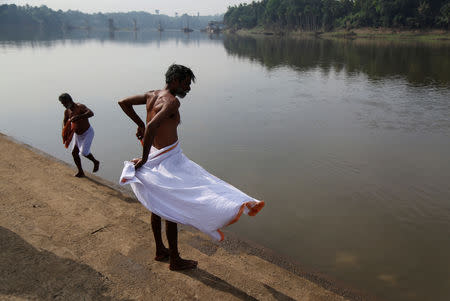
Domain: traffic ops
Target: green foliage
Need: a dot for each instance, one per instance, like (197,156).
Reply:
(314,15)
(443,19)
(245,15)
(44,18)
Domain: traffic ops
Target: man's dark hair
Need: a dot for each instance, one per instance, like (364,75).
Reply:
(65,96)
(179,72)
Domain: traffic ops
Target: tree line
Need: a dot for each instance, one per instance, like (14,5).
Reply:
(44,18)
(326,15)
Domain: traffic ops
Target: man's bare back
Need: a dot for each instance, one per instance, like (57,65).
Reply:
(166,133)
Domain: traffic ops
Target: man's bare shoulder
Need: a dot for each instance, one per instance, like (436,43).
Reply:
(150,99)
(80,106)
(165,97)
(151,94)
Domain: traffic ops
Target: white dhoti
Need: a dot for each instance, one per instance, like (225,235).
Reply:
(83,141)
(179,190)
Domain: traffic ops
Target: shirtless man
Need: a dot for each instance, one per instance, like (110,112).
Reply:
(160,130)
(78,115)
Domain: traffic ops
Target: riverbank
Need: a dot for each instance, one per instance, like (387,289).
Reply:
(67,238)
(359,33)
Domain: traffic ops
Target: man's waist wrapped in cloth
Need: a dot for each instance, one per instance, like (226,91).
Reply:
(179,190)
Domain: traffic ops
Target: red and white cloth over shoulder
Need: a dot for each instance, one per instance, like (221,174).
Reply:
(179,190)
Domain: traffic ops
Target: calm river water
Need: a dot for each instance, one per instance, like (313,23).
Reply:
(346,141)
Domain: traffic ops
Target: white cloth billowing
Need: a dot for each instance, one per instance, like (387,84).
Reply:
(83,141)
(179,190)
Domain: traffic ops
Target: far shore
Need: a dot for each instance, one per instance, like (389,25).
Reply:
(357,33)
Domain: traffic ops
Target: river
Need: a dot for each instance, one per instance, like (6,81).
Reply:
(346,141)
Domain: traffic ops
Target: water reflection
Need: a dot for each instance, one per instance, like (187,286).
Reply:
(420,104)
(36,38)
(419,63)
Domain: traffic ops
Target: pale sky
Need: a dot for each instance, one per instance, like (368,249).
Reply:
(166,7)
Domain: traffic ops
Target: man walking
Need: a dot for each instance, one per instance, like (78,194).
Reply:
(76,122)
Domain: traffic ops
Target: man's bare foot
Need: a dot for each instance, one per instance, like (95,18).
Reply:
(182,264)
(162,255)
(96,166)
(79,174)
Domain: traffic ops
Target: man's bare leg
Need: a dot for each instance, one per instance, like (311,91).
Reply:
(176,262)
(95,161)
(162,253)
(77,159)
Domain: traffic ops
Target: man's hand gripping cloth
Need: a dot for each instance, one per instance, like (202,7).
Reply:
(179,190)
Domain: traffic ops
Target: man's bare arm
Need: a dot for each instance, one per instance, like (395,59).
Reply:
(168,108)
(87,113)
(66,117)
(127,106)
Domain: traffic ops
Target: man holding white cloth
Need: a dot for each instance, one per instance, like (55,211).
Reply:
(170,185)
